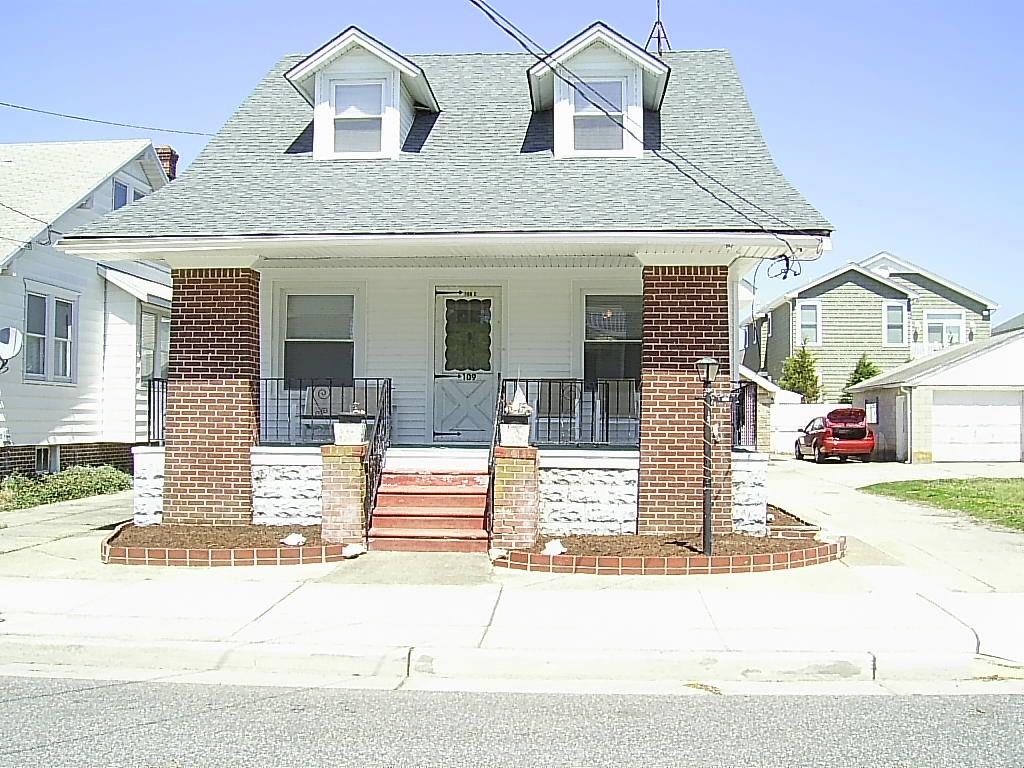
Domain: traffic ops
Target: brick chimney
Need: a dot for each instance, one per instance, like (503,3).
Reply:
(169,160)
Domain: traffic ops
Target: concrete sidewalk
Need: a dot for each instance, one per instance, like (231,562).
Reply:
(390,617)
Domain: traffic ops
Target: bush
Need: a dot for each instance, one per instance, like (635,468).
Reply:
(864,370)
(19,491)
(800,374)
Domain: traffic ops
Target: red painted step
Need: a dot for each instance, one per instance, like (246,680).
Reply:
(438,479)
(437,519)
(428,545)
(416,496)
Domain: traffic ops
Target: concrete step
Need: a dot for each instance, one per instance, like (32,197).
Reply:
(418,496)
(429,521)
(435,479)
(427,540)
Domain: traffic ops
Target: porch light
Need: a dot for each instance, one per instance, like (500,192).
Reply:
(707,367)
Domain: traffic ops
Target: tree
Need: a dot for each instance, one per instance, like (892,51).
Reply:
(800,374)
(864,370)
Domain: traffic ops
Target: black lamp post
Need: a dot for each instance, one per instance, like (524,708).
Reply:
(707,367)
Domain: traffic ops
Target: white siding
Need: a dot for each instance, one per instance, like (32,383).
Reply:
(407,112)
(541,324)
(44,412)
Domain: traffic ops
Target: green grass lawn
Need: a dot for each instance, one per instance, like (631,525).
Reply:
(999,500)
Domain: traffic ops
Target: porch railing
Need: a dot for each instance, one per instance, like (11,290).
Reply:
(744,416)
(574,412)
(156,410)
(376,452)
(303,411)
(499,404)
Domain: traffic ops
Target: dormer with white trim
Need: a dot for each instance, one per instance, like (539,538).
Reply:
(598,85)
(364,97)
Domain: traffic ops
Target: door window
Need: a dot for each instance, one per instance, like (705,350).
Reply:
(467,335)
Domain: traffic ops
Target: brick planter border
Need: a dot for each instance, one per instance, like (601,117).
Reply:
(814,554)
(238,556)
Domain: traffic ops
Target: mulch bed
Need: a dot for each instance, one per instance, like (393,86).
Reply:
(681,546)
(207,537)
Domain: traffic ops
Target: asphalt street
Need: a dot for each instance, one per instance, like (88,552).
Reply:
(48,722)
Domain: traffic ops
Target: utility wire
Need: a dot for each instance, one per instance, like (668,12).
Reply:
(576,82)
(101,122)
(22,213)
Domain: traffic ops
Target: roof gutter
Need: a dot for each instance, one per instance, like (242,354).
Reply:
(113,248)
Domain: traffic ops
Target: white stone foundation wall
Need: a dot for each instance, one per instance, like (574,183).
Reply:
(287,486)
(588,493)
(750,493)
(149,484)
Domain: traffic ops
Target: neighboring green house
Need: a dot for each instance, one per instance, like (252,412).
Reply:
(885,307)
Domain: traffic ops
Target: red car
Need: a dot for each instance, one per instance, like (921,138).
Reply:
(843,432)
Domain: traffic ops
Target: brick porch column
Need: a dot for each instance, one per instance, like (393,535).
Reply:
(686,317)
(212,396)
(344,494)
(515,517)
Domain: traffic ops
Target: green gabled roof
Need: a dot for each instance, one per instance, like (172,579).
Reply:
(483,165)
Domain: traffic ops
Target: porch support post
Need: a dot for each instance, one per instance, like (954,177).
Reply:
(344,494)
(686,317)
(212,396)
(515,516)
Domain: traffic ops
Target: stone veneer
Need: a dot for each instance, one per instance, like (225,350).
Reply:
(149,485)
(588,494)
(750,493)
(287,486)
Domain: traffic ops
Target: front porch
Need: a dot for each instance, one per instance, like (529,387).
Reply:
(603,353)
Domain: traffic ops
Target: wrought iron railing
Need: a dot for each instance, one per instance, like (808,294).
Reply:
(744,415)
(303,411)
(574,412)
(376,452)
(499,406)
(156,410)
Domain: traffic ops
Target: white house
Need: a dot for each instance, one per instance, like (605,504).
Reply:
(91,331)
(423,237)
(964,404)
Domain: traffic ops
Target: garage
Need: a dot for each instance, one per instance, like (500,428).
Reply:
(963,404)
(976,425)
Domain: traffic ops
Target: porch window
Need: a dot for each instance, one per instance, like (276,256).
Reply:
(358,117)
(945,328)
(598,116)
(612,342)
(154,345)
(319,339)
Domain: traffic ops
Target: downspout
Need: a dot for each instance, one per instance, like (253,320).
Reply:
(908,392)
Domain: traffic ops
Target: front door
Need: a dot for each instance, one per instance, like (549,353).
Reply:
(466,344)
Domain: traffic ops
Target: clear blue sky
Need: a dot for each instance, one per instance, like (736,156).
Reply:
(902,121)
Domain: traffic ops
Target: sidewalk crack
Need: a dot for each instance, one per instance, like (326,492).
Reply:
(977,637)
(490,619)
(269,608)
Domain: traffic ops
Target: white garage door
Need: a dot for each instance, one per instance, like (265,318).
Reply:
(976,425)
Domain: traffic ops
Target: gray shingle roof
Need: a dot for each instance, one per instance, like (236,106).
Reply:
(485,165)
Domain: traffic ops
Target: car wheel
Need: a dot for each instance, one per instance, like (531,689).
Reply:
(798,453)
(843,459)
(866,458)
(819,457)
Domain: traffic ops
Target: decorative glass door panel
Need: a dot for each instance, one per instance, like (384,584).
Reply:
(465,363)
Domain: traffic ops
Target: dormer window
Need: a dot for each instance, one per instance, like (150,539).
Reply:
(365,97)
(358,117)
(598,115)
(598,86)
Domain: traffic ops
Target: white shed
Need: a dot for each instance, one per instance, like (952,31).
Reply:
(963,404)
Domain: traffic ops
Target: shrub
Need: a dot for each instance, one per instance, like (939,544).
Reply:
(865,370)
(800,374)
(19,491)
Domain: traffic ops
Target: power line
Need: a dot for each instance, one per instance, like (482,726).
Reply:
(518,35)
(22,213)
(101,122)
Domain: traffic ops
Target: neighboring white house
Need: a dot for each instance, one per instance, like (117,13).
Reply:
(964,404)
(1013,324)
(90,331)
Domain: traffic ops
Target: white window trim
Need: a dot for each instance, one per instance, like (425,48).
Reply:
(632,111)
(134,187)
(816,303)
(52,462)
(52,294)
(382,82)
(578,331)
(768,325)
(902,306)
(324,113)
(745,339)
(279,319)
(583,326)
(946,324)
(575,95)
(159,313)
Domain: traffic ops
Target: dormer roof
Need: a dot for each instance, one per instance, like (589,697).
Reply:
(541,75)
(302,76)
(885,264)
